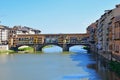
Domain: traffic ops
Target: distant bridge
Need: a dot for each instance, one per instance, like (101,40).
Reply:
(38,41)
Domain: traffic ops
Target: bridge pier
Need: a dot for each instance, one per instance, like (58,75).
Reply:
(39,47)
(65,47)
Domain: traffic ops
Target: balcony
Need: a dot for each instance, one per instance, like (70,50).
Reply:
(116,39)
(116,51)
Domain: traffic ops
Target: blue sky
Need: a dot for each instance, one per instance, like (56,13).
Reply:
(54,16)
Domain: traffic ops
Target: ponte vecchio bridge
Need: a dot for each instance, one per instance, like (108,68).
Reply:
(38,41)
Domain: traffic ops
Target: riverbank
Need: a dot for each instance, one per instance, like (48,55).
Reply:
(113,66)
(7,51)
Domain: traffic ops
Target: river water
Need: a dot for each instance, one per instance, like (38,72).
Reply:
(76,65)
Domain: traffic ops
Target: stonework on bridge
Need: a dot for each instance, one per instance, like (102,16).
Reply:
(38,41)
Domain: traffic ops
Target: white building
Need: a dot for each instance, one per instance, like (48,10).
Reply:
(23,30)
(4,30)
(4,47)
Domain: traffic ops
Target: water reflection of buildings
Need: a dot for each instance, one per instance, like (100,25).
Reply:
(4,58)
(102,69)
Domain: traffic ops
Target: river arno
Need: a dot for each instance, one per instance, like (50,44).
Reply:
(53,66)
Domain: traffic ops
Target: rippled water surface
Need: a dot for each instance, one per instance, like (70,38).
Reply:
(52,66)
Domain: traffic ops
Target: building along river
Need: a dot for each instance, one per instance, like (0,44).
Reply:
(54,65)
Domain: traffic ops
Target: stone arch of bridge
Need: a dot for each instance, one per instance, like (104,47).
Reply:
(42,46)
(17,46)
(75,45)
(71,45)
(38,47)
(26,45)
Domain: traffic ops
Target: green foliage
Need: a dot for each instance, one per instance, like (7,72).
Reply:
(7,51)
(26,49)
(49,46)
(115,66)
(85,47)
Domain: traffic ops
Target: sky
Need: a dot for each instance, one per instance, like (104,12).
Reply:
(54,16)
